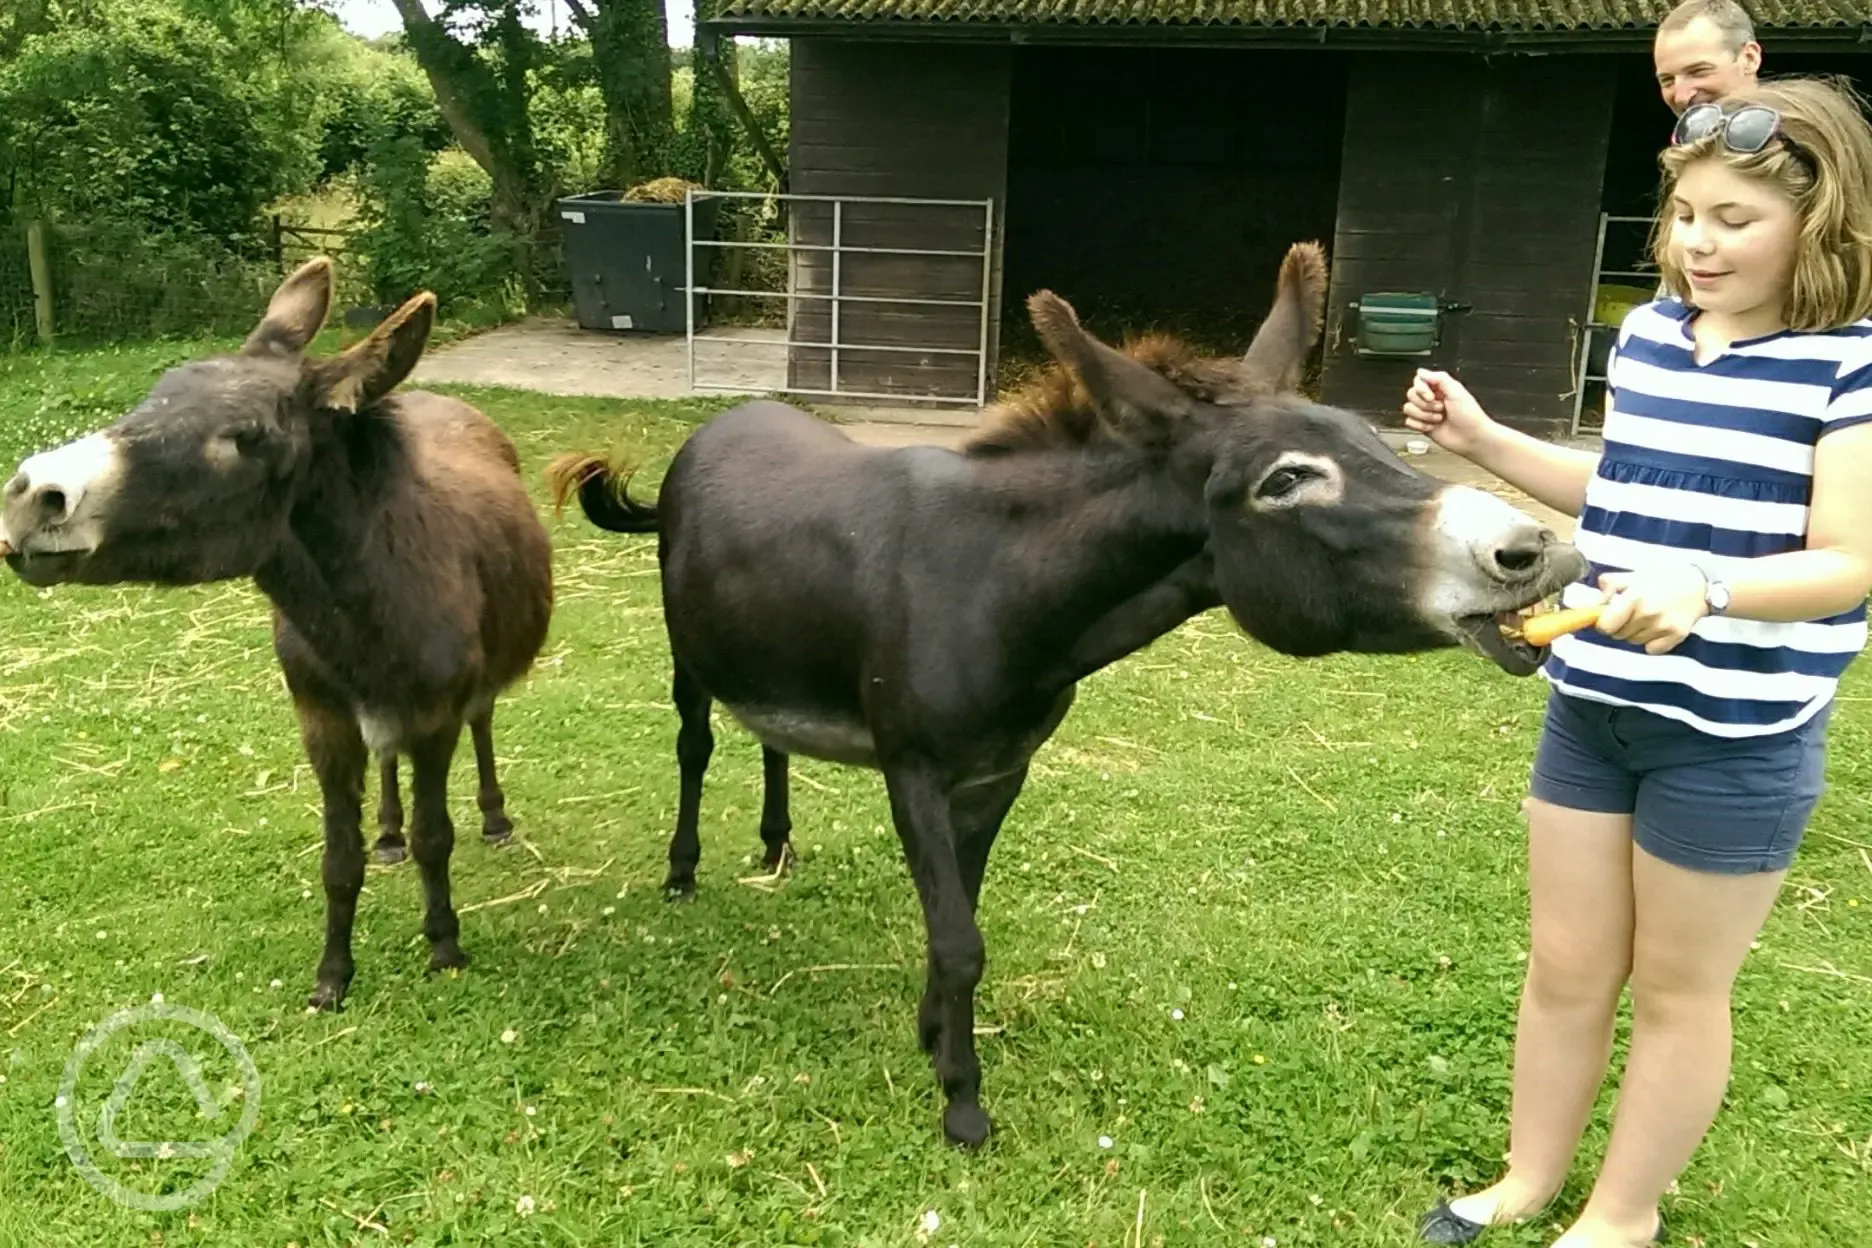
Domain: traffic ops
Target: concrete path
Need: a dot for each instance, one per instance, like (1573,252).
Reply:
(555,356)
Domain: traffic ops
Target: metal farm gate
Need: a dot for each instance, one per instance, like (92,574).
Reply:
(874,298)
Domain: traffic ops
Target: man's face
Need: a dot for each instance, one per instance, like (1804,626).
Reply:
(1693,65)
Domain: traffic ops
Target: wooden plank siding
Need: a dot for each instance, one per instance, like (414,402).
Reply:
(896,120)
(1477,178)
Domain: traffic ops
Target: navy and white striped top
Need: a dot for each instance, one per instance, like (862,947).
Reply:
(1714,463)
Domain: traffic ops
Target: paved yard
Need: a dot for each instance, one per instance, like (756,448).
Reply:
(555,356)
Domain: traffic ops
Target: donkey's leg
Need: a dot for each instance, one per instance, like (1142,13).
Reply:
(776,821)
(336,751)
(391,848)
(432,840)
(695,744)
(920,808)
(496,827)
(976,814)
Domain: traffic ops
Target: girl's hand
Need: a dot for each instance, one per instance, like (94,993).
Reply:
(1442,407)
(1656,608)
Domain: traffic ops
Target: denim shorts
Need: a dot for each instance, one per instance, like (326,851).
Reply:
(1701,802)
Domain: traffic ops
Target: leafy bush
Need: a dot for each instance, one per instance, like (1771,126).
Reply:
(568,129)
(137,116)
(426,227)
(365,109)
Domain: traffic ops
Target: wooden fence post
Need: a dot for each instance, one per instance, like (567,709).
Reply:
(41,266)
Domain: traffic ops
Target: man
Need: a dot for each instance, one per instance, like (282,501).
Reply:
(1704,50)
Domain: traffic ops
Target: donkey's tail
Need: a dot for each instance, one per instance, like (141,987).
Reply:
(603,493)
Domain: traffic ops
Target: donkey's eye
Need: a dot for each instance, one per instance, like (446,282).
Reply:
(1283,481)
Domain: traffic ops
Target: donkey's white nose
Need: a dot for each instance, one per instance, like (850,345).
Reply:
(56,499)
(1506,542)
(50,486)
(1517,553)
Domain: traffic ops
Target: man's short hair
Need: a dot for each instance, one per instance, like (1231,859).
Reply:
(1729,17)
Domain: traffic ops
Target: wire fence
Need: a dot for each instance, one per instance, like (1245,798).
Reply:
(108,283)
(104,283)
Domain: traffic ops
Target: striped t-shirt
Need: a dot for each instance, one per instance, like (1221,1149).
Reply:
(1713,463)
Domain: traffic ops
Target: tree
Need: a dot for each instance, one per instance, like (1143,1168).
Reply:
(701,151)
(631,58)
(482,88)
(17,20)
(136,116)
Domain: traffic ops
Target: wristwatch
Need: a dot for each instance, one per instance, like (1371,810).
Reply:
(1715,592)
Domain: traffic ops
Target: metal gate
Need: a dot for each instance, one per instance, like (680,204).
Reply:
(869,312)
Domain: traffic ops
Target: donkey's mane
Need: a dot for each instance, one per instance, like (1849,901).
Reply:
(1054,409)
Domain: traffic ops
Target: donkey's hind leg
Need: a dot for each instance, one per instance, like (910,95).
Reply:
(432,841)
(695,743)
(496,827)
(776,823)
(391,847)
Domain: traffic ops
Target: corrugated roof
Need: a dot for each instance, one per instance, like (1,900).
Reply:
(1450,15)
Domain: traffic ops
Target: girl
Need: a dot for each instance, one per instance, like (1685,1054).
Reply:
(1728,521)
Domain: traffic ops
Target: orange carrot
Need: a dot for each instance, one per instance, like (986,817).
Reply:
(1540,630)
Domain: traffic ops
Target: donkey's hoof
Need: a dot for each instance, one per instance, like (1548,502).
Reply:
(389,853)
(496,830)
(679,888)
(779,859)
(966,1125)
(327,996)
(447,957)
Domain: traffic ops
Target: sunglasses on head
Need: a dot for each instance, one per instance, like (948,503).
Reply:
(1747,130)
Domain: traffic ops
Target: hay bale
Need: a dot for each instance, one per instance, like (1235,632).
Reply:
(670,190)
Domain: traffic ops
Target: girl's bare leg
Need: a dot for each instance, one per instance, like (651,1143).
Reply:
(1580,902)
(1692,931)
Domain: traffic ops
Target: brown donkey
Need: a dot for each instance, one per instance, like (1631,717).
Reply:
(410,576)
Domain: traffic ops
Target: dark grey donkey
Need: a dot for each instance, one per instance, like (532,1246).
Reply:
(928,612)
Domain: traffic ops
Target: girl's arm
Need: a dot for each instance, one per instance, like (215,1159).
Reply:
(1442,407)
(1556,475)
(1834,573)
(1657,608)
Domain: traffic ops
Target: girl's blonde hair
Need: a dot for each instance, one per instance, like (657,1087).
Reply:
(1831,189)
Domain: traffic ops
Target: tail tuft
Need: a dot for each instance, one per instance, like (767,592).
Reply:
(603,492)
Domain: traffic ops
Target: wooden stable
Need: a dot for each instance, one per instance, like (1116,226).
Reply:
(1152,165)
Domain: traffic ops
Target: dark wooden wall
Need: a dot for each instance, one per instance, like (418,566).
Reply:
(1477,178)
(900,120)
(1170,202)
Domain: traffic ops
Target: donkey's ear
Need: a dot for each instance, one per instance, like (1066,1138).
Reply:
(1282,344)
(1131,395)
(296,312)
(373,367)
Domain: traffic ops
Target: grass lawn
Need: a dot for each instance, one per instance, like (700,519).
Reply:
(1255,934)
